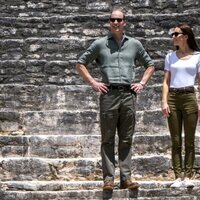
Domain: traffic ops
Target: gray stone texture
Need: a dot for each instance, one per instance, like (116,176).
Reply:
(49,118)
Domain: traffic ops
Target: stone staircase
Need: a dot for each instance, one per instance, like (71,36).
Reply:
(49,118)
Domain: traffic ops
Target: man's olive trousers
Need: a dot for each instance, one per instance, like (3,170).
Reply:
(117,114)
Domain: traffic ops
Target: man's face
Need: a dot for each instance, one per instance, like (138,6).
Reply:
(117,22)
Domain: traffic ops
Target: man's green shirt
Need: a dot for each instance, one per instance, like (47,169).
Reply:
(117,63)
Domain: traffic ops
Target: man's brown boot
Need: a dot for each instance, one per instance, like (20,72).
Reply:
(128,184)
(108,185)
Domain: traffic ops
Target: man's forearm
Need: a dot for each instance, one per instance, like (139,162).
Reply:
(147,75)
(82,70)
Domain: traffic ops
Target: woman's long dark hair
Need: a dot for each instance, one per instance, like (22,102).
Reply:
(186,29)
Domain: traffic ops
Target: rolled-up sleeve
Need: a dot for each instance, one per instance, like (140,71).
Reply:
(89,55)
(143,56)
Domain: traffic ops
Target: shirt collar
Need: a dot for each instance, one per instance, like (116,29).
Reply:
(111,36)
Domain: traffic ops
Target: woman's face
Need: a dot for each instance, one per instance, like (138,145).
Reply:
(178,37)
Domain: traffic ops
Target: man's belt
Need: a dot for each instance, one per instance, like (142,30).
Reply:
(189,89)
(120,87)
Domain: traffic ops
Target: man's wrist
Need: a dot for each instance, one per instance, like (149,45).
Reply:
(91,82)
(143,84)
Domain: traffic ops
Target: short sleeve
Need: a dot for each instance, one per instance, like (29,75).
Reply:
(198,64)
(167,62)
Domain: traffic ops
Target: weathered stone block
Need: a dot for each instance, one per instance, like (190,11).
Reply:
(61,122)
(9,122)
(31,168)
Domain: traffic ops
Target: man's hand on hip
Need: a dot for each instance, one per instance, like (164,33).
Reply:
(100,87)
(137,87)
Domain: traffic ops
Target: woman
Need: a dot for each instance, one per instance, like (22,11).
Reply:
(179,103)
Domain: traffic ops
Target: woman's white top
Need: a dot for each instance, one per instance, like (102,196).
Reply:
(183,72)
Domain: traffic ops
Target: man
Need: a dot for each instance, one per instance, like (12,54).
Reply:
(115,55)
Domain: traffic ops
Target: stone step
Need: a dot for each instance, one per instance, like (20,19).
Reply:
(76,146)
(19,97)
(22,97)
(41,8)
(158,194)
(68,26)
(47,97)
(54,72)
(149,190)
(63,122)
(93,6)
(58,122)
(78,185)
(34,168)
(68,169)
(62,49)
(58,49)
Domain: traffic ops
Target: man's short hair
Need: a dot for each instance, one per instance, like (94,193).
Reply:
(121,10)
